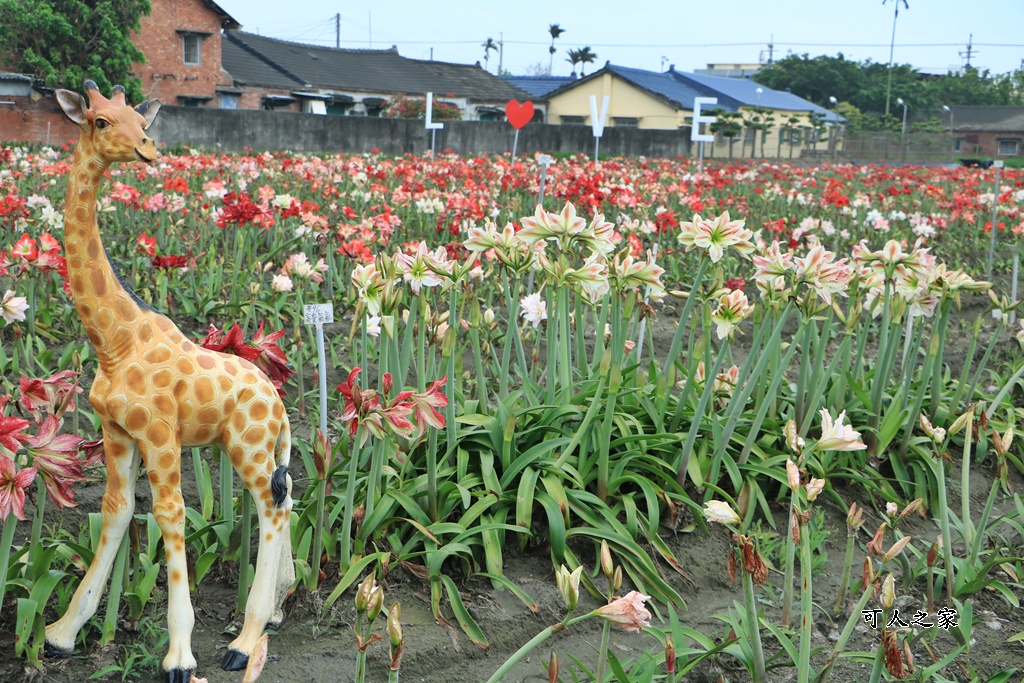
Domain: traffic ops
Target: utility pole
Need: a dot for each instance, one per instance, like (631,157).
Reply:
(337,30)
(501,51)
(970,52)
(369,27)
(771,48)
(892,48)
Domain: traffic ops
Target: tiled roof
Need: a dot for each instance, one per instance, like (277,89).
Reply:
(744,92)
(988,119)
(19,78)
(258,60)
(538,86)
(676,91)
(226,20)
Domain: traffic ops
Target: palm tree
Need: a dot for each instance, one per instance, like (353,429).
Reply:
(488,46)
(586,57)
(574,59)
(555,30)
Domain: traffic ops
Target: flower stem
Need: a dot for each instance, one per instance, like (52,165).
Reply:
(787,586)
(499,675)
(6,542)
(602,657)
(806,607)
(350,494)
(753,628)
(844,582)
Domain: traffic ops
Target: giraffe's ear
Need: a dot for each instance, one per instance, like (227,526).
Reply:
(74,106)
(149,110)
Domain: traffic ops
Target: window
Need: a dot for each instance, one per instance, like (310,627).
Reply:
(186,101)
(192,45)
(1008,147)
(229,100)
(572,121)
(958,144)
(626,121)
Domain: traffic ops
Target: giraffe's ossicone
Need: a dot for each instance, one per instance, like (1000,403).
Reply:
(157,392)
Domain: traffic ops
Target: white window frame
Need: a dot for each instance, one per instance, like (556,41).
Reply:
(999,147)
(185,38)
(626,121)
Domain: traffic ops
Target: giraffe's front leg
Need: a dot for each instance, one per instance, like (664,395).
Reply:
(122,458)
(164,465)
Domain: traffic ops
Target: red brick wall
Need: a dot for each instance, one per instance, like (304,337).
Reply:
(987,144)
(26,120)
(165,74)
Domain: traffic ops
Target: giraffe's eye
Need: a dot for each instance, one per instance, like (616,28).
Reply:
(101,123)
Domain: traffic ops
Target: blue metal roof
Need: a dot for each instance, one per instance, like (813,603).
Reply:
(538,86)
(675,90)
(743,91)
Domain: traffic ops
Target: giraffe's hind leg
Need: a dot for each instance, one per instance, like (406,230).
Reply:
(273,506)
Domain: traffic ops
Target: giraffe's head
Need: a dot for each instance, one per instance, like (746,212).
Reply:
(115,131)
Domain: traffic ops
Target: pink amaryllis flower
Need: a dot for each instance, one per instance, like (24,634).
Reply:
(52,395)
(270,358)
(55,456)
(629,612)
(381,416)
(13,483)
(12,432)
(716,235)
(426,405)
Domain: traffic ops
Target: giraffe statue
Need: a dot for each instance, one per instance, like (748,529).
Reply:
(155,392)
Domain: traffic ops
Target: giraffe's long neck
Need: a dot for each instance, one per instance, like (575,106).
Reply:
(104,306)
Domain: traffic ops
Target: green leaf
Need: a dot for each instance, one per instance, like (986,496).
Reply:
(468,624)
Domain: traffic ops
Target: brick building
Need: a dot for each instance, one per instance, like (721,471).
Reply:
(182,43)
(31,114)
(989,132)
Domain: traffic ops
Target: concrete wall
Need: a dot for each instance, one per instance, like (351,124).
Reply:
(239,130)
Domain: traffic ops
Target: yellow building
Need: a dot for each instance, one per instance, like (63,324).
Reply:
(756,121)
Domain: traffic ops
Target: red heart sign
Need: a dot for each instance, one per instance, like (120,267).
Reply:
(519,114)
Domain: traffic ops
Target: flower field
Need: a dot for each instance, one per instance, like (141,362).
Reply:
(733,413)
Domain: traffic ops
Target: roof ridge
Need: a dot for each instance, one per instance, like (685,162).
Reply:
(361,50)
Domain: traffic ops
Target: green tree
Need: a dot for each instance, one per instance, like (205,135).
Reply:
(488,46)
(587,56)
(573,58)
(64,42)
(728,123)
(554,30)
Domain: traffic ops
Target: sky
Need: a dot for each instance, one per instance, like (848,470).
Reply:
(930,34)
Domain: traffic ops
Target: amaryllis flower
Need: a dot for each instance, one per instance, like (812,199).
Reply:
(12,308)
(534,309)
(716,236)
(369,286)
(146,245)
(425,405)
(282,283)
(544,225)
(417,270)
(629,612)
(632,273)
(720,512)
(55,456)
(732,309)
(12,433)
(25,248)
(53,395)
(835,436)
(232,343)
(270,358)
(13,483)
(169,262)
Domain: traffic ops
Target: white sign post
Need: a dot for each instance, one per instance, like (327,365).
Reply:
(597,122)
(995,214)
(319,315)
(544,160)
(431,126)
(695,134)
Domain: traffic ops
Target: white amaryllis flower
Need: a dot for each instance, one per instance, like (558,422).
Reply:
(633,273)
(534,310)
(282,283)
(369,286)
(793,439)
(814,487)
(835,436)
(13,308)
(936,434)
(544,225)
(373,326)
(716,235)
(720,512)
(733,309)
(1020,335)
(416,268)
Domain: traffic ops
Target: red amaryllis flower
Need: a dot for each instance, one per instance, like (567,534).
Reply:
(271,359)
(357,404)
(55,456)
(12,433)
(13,483)
(169,262)
(629,611)
(146,245)
(232,342)
(25,248)
(92,452)
(48,244)
(52,395)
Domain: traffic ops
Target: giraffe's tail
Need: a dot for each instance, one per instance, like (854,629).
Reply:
(280,482)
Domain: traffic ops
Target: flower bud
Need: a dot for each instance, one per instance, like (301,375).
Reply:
(670,655)
(362,598)
(389,382)
(553,668)
(607,566)
(617,579)
(793,440)
(814,487)
(375,603)
(395,625)
(933,554)
(569,584)
(874,546)
(936,434)
(896,548)
(962,421)
(321,455)
(912,506)
(793,475)
(891,509)
(888,596)
(854,518)
(867,574)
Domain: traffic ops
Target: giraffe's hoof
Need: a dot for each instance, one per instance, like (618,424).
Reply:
(51,651)
(234,660)
(178,675)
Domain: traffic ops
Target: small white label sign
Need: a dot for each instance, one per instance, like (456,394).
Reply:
(544,159)
(319,314)
(998,163)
